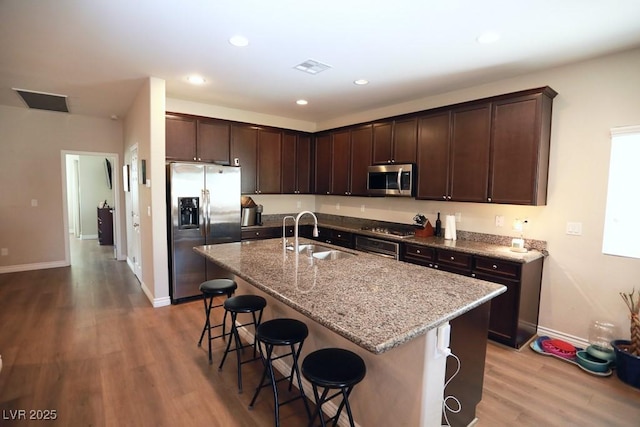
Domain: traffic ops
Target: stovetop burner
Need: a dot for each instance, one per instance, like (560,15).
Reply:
(391,231)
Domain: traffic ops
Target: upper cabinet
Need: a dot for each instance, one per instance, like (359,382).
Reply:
(258,151)
(244,147)
(520,135)
(395,141)
(491,151)
(296,163)
(197,139)
(323,164)
(361,152)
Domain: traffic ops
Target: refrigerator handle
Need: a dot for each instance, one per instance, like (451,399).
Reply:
(203,218)
(208,219)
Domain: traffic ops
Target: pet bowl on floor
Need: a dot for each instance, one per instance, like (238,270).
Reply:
(591,363)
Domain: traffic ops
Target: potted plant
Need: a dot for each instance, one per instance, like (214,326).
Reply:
(628,351)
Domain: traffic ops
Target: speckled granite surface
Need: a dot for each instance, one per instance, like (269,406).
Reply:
(468,242)
(375,302)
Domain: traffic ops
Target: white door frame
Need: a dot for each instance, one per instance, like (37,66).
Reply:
(134,252)
(115,184)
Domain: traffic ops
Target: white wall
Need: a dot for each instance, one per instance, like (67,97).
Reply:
(580,284)
(93,190)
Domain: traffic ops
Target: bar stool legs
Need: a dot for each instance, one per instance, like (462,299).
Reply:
(242,304)
(281,332)
(333,369)
(211,289)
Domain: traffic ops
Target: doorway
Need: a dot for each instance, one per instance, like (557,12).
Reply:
(90,183)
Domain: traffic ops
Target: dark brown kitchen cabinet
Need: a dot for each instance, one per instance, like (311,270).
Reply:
(340,159)
(514,314)
(520,136)
(260,233)
(212,144)
(269,165)
(296,163)
(180,138)
(323,164)
(395,142)
(433,157)
(361,152)
(335,237)
(470,147)
(244,147)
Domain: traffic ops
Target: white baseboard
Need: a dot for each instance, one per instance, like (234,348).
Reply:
(89,237)
(329,408)
(155,302)
(34,266)
(576,341)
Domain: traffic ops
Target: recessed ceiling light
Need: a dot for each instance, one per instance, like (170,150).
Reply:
(302,102)
(361,82)
(239,41)
(196,80)
(488,37)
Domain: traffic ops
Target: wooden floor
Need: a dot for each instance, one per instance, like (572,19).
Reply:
(84,342)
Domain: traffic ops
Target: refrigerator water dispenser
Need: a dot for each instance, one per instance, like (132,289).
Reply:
(189,212)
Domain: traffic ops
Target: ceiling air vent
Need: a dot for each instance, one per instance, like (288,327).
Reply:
(312,67)
(44,101)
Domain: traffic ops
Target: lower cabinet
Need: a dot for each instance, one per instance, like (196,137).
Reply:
(514,314)
(260,233)
(335,237)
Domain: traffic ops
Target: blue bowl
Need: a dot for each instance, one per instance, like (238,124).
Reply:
(591,363)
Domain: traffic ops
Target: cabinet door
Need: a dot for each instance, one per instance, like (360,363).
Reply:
(269,161)
(433,157)
(323,164)
(503,322)
(341,146)
(470,153)
(515,149)
(361,150)
(289,163)
(244,146)
(382,143)
(303,164)
(213,141)
(180,138)
(405,134)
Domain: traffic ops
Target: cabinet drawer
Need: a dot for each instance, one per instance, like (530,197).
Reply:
(418,254)
(335,237)
(499,268)
(454,259)
(266,233)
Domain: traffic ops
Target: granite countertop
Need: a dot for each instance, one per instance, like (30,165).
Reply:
(486,245)
(375,302)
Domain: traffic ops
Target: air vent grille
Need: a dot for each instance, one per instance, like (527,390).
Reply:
(43,101)
(312,67)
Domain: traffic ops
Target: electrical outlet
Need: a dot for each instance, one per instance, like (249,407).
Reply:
(458,216)
(34,202)
(361,208)
(4,251)
(499,221)
(298,204)
(337,206)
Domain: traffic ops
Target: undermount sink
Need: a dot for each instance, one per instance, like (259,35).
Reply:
(313,248)
(332,255)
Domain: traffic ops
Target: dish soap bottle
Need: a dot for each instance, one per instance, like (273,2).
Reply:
(438,226)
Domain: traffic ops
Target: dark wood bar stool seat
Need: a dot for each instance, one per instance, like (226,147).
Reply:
(333,369)
(211,289)
(281,333)
(248,304)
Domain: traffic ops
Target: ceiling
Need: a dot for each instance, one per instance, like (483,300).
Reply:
(99,52)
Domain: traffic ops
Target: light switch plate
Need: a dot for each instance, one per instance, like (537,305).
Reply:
(499,221)
(574,228)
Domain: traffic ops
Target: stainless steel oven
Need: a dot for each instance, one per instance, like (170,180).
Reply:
(383,248)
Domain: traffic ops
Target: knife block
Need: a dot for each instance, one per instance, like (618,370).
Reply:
(427,231)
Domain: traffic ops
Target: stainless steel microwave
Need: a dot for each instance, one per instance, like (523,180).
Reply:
(391,180)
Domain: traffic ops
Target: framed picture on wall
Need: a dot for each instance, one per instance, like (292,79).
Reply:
(125,177)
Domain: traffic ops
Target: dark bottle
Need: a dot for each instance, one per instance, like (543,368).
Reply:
(438,226)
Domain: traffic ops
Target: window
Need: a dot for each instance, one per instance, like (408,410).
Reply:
(621,225)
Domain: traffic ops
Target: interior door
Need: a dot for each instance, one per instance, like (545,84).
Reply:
(135,241)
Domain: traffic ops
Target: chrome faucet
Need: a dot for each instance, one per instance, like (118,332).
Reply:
(315,228)
(284,230)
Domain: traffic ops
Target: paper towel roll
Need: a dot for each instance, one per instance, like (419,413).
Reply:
(450,227)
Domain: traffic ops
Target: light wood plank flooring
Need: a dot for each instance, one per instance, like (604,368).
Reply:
(85,342)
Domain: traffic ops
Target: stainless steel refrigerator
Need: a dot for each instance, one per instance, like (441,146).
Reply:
(204,209)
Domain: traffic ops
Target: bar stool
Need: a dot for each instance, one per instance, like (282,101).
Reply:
(211,289)
(333,368)
(242,304)
(275,333)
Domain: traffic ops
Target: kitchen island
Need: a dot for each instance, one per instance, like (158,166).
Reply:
(388,312)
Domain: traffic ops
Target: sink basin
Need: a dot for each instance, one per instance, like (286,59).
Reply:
(312,248)
(332,255)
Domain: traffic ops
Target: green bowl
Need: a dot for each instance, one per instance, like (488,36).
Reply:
(601,354)
(591,363)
